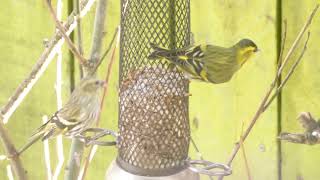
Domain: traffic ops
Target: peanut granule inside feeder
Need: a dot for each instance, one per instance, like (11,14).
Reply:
(153,128)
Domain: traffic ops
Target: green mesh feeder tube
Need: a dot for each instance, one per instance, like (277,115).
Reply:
(154,131)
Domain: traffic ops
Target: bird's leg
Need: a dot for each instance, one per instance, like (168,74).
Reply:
(93,140)
(84,139)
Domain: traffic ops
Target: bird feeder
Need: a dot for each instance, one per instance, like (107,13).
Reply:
(154,132)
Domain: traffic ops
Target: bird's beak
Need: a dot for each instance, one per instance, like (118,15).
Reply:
(257,50)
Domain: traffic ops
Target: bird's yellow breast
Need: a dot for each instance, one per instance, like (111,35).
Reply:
(244,54)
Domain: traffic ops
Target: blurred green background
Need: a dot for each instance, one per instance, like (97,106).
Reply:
(218,113)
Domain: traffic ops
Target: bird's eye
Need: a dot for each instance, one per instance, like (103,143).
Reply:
(97,82)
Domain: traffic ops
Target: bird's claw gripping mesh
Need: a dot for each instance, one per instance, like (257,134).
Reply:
(98,134)
(154,128)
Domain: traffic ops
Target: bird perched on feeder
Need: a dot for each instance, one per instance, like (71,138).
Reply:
(79,113)
(206,62)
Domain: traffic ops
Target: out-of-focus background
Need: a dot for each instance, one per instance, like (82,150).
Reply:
(218,113)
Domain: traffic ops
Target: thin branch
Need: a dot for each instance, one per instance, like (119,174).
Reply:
(89,158)
(196,148)
(42,64)
(298,38)
(73,167)
(71,46)
(25,87)
(244,154)
(245,160)
(262,107)
(97,38)
(11,153)
(283,83)
(253,121)
(260,110)
(46,149)
(198,151)
(59,141)
(58,88)
(79,34)
(108,49)
(109,68)
(9,172)
(283,43)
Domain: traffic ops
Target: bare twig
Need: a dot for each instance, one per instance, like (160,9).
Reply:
(244,153)
(25,87)
(196,148)
(11,153)
(42,64)
(97,37)
(265,101)
(71,46)
(245,160)
(108,49)
(79,34)
(58,88)
(73,167)
(90,157)
(283,83)
(47,153)
(87,160)
(198,151)
(298,38)
(9,172)
(283,43)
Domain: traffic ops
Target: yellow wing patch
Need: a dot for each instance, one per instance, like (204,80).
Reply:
(184,58)
(203,75)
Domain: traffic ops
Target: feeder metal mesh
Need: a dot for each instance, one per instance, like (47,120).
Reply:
(153,109)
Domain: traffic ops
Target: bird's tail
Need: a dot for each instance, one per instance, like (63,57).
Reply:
(43,132)
(34,138)
(158,52)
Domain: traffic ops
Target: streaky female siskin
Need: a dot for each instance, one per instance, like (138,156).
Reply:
(80,112)
(207,62)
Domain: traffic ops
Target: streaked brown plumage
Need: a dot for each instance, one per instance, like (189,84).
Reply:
(79,113)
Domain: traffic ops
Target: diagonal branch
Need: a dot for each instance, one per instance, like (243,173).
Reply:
(283,83)
(199,153)
(27,84)
(266,101)
(42,64)
(11,153)
(79,34)
(98,34)
(108,49)
(71,46)
(58,89)
(283,43)
(298,38)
